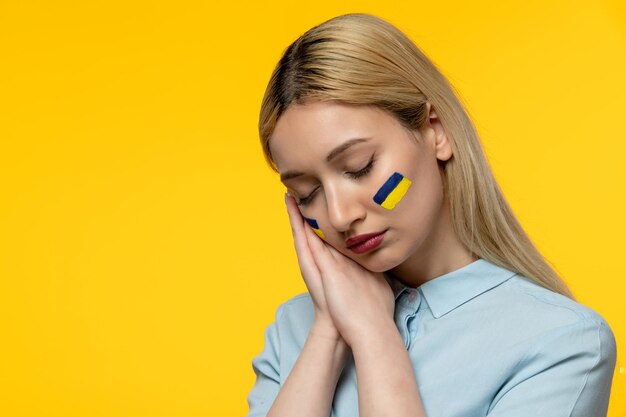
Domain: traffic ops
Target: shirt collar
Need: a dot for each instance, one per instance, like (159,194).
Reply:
(448,291)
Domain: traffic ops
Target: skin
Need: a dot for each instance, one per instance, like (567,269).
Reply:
(353,301)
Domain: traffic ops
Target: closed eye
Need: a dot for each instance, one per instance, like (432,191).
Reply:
(363,171)
(306,200)
(354,175)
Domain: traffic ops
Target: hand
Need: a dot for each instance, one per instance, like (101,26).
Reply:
(323,322)
(358,301)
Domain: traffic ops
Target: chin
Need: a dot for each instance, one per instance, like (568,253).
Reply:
(377,262)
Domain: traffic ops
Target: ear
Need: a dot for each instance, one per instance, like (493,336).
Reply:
(443,150)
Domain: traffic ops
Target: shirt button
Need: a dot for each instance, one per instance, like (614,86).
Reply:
(412,296)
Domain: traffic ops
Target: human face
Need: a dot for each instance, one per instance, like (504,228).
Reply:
(338,193)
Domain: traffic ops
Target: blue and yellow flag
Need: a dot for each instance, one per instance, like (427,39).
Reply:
(315,226)
(392,191)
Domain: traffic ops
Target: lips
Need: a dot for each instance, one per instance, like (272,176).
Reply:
(362,238)
(365,243)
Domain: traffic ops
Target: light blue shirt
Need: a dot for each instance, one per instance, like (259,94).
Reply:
(483,341)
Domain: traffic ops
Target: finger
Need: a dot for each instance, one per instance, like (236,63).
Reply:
(340,257)
(334,252)
(298,228)
(319,248)
(295,221)
(292,212)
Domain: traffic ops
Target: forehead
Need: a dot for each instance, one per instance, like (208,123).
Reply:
(310,131)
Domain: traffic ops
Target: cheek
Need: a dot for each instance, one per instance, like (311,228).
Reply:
(392,191)
(422,204)
(413,194)
(314,226)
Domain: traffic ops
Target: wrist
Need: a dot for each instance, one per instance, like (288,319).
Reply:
(381,333)
(325,328)
(325,334)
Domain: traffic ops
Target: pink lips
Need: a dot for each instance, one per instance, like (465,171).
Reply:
(365,242)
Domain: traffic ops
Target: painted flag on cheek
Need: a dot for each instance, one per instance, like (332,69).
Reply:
(315,226)
(392,191)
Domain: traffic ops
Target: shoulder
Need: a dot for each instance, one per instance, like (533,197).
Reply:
(535,300)
(286,336)
(542,315)
(295,317)
(300,305)
(519,316)
(557,342)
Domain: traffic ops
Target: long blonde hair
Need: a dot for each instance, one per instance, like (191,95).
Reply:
(362,59)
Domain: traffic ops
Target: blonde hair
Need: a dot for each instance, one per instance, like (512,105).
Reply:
(362,59)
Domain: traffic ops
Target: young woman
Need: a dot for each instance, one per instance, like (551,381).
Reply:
(426,297)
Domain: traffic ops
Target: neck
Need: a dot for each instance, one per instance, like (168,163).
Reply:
(440,253)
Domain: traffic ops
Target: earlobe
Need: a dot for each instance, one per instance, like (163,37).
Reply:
(443,149)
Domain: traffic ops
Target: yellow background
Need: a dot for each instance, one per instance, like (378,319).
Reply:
(137,274)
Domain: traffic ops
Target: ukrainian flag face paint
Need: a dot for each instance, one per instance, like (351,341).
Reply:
(315,226)
(392,191)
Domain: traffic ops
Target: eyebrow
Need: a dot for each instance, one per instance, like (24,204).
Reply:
(331,155)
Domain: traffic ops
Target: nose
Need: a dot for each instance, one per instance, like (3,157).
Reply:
(344,208)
